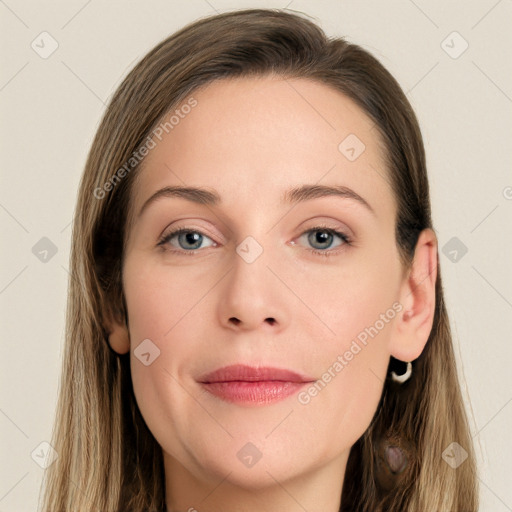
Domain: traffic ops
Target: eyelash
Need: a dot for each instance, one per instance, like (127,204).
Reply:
(326,253)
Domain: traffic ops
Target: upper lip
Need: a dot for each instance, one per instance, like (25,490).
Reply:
(241,372)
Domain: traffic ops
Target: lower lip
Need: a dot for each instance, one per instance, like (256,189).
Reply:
(255,393)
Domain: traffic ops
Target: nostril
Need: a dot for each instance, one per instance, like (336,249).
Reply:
(234,320)
(271,321)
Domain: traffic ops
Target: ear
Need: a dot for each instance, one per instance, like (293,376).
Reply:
(418,298)
(118,333)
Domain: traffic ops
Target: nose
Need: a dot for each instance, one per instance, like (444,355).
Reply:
(252,297)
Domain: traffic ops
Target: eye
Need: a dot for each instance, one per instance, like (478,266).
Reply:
(186,240)
(322,239)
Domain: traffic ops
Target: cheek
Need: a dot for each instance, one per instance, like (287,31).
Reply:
(159,298)
(163,305)
(358,304)
(352,368)
(340,405)
(348,297)
(160,304)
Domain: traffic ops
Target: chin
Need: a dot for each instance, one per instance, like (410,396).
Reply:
(251,466)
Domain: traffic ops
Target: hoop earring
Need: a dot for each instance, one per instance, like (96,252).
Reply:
(404,376)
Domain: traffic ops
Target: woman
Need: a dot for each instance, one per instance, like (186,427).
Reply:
(256,316)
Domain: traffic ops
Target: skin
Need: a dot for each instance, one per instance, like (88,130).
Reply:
(250,139)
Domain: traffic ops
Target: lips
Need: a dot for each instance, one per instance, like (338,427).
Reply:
(253,386)
(253,374)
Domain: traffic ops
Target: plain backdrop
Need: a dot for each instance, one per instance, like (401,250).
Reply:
(452,59)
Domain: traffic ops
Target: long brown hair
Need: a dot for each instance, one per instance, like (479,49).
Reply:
(108,459)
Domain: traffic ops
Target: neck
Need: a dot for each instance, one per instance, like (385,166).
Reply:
(319,489)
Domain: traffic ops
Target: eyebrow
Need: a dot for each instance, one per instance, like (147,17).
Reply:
(295,195)
(307,192)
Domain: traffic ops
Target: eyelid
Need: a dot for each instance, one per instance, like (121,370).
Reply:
(337,232)
(327,223)
(188,225)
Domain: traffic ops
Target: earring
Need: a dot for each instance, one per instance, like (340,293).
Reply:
(404,376)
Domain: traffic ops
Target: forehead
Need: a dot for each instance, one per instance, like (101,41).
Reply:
(255,137)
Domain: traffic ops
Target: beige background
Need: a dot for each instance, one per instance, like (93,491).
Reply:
(51,107)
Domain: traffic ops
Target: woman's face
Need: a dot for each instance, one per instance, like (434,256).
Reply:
(260,278)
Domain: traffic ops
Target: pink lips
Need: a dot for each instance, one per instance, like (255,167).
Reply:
(253,386)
